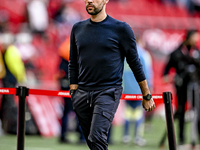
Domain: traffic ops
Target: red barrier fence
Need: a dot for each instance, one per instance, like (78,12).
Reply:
(66,94)
(8,91)
(22,92)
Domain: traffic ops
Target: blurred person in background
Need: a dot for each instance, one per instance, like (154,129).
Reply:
(186,61)
(29,54)
(14,74)
(4,18)
(37,16)
(96,64)
(134,111)
(169,1)
(62,77)
(66,15)
(64,18)
(194,6)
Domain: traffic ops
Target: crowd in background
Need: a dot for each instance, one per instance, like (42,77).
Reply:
(36,44)
(191,5)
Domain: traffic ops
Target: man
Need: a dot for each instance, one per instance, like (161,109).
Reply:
(97,49)
(186,61)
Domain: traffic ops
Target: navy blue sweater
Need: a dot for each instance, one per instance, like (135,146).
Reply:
(97,52)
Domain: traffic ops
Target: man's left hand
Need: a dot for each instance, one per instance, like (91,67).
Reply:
(148,105)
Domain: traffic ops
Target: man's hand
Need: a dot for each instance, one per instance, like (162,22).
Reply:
(148,105)
(73,87)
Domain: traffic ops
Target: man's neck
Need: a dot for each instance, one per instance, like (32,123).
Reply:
(99,17)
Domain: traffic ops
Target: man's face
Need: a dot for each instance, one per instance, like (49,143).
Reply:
(94,7)
(194,39)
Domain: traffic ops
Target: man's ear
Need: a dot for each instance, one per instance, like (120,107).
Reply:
(107,1)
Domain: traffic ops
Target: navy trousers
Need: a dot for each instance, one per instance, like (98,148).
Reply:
(95,111)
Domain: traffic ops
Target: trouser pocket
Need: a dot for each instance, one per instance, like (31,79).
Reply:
(108,116)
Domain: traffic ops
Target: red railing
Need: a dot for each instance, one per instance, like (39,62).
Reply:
(66,94)
(22,92)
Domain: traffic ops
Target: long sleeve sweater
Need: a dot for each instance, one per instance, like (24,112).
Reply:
(97,52)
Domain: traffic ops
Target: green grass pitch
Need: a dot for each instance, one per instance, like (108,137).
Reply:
(152,135)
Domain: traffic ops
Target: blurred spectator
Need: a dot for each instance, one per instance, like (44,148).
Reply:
(186,61)
(62,76)
(4,17)
(194,6)
(2,66)
(64,84)
(63,17)
(67,15)
(15,73)
(58,13)
(183,3)
(38,16)
(70,15)
(134,111)
(29,56)
(169,1)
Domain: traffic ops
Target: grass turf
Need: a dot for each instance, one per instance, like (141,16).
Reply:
(152,135)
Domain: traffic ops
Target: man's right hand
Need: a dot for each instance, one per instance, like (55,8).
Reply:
(73,86)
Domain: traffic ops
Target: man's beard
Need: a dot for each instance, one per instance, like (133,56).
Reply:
(95,11)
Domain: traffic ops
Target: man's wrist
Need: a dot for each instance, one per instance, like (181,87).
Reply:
(147,97)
